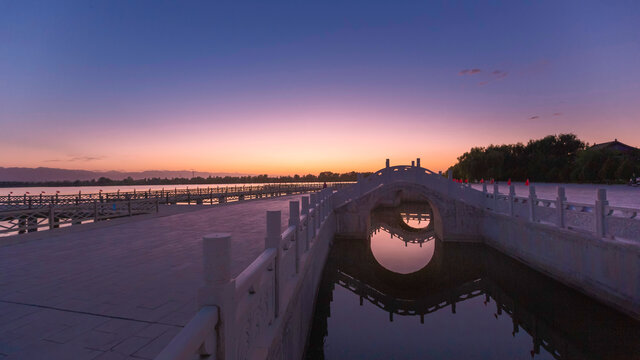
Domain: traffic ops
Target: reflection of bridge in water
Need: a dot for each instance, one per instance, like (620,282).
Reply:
(567,325)
(395,222)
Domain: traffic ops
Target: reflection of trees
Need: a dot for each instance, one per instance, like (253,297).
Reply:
(565,323)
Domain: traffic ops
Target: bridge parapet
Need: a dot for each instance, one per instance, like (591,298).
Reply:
(261,311)
(599,219)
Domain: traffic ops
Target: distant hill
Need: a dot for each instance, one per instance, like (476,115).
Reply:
(55,174)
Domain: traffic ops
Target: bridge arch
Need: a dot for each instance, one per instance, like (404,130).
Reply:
(454,220)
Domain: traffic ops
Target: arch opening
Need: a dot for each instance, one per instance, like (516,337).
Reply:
(395,244)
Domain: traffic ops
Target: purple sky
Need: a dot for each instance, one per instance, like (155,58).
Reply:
(286,87)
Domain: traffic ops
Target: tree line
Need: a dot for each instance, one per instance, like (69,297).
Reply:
(554,158)
(325,176)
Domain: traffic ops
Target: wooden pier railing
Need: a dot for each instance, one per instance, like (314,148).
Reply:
(165,196)
(51,217)
(23,214)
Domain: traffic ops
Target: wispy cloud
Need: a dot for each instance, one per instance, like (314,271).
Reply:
(534,117)
(76,158)
(486,76)
(557,114)
(86,158)
(470,71)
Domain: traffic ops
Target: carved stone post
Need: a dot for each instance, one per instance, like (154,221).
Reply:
(218,290)
(316,217)
(512,195)
(532,203)
(418,162)
(387,163)
(305,212)
(273,241)
(560,200)
(294,220)
(601,212)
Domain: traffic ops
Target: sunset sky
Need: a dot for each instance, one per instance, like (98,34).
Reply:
(298,87)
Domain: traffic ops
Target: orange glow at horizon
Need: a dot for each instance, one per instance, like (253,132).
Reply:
(278,142)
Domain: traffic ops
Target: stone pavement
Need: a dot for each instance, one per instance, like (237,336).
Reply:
(119,290)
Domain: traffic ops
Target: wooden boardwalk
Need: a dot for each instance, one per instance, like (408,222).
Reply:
(30,213)
(119,289)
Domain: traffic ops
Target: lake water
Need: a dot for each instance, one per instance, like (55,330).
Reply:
(403,294)
(68,190)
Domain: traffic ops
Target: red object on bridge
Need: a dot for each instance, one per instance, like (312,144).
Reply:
(481,181)
(527,183)
(492,181)
(509,181)
(466,181)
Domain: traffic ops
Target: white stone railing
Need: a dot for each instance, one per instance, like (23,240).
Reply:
(600,218)
(249,306)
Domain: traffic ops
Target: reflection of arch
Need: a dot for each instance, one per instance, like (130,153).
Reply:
(391,220)
(401,192)
(465,271)
(452,219)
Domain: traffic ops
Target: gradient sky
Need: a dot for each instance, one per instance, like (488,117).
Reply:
(298,87)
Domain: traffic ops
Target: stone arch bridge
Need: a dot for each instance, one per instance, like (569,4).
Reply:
(457,209)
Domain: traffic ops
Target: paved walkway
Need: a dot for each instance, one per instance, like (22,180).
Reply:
(120,290)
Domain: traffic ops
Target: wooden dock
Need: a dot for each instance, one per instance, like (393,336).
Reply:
(31,213)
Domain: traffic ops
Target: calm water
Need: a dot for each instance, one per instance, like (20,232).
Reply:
(66,190)
(402,294)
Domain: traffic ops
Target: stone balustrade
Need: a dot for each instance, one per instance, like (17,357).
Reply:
(255,309)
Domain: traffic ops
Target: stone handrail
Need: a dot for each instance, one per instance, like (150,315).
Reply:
(600,218)
(250,305)
(198,336)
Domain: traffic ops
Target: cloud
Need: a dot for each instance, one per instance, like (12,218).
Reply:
(486,77)
(469,72)
(557,114)
(534,117)
(86,158)
(76,158)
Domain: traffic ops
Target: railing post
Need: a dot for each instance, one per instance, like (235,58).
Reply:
(314,203)
(218,290)
(601,207)
(294,220)
(305,211)
(532,203)
(129,206)
(387,163)
(95,211)
(418,162)
(560,200)
(496,193)
(512,195)
(51,217)
(273,241)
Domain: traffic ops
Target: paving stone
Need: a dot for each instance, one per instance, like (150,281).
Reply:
(119,284)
